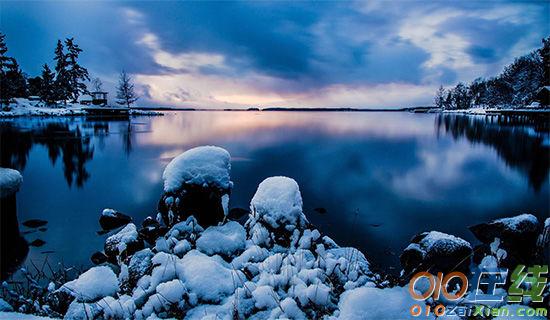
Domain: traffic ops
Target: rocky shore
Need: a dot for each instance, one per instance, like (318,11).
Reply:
(190,260)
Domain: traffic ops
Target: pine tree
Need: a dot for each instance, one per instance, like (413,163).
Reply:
(76,73)
(439,99)
(48,92)
(62,86)
(34,86)
(125,90)
(544,53)
(13,82)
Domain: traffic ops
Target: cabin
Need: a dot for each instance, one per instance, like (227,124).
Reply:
(99,98)
(543,96)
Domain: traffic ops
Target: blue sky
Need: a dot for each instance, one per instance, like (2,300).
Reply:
(302,54)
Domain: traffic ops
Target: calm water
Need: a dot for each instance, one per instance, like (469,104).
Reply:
(382,177)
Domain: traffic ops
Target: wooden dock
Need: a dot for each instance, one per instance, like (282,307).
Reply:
(107,111)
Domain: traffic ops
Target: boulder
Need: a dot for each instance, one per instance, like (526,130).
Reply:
(436,252)
(112,219)
(197,183)
(98,257)
(123,244)
(518,236)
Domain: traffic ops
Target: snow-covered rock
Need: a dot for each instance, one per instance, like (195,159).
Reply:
(92,285)
(112,219)
(125,241)
(209,278)
(518,236)
(436,251)
(10,182)
(278,202)
(206,165)
(226,239)
(197,182)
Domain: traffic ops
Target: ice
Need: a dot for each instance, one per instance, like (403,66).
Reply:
(206,165)
(94,284)
(10,181)
(278,202)
(226,239)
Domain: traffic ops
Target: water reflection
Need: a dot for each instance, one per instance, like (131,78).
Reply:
(381,177)
(68,139)
(522,142)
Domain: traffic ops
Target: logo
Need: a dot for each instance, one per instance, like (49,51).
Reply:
(526,283)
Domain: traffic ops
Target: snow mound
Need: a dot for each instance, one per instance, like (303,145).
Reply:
(208,277)
(278,202)
(372,303)
(94,284)
(226,239)
(10,181)
(120,241)
(206,165)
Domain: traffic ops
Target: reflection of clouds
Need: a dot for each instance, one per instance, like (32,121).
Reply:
(455,169)
(194,128)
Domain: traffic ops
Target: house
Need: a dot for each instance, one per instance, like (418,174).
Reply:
(99,98)
(543,96)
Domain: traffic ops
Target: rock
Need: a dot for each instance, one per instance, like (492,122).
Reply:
(112,219)
(276,213)
(237,213)
(59,301)
(436,251)
(139,265)
(151,230)
(124,243)
(518,236)
(34,223)
(196,183)
(98,257)
(10,182)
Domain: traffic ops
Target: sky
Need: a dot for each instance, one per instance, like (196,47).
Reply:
(376,54)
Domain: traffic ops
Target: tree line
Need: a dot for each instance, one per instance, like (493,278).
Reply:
(517,85)
(66,82)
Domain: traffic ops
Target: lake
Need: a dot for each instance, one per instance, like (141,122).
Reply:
(381,177)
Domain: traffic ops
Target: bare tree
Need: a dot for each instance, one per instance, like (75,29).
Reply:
(97,85)
(125,90)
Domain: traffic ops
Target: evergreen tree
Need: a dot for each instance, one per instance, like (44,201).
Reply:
(76,73)
(478,92)
(34,86)
(439,99)
(48,92)
(544,53)
(13,82)
(62,86)
(125,90)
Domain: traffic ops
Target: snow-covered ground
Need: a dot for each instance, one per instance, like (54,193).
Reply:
(25,107)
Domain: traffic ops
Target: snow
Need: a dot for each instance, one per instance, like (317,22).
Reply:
(94,284)
(209,278)
(26,107)
(513,223)
(4,306)
(206,165)
(372,303)
(121,239)
(109,213)
(227,239)
(265,297)
(10,181)
(278,202)
(442,242)
(20,316)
